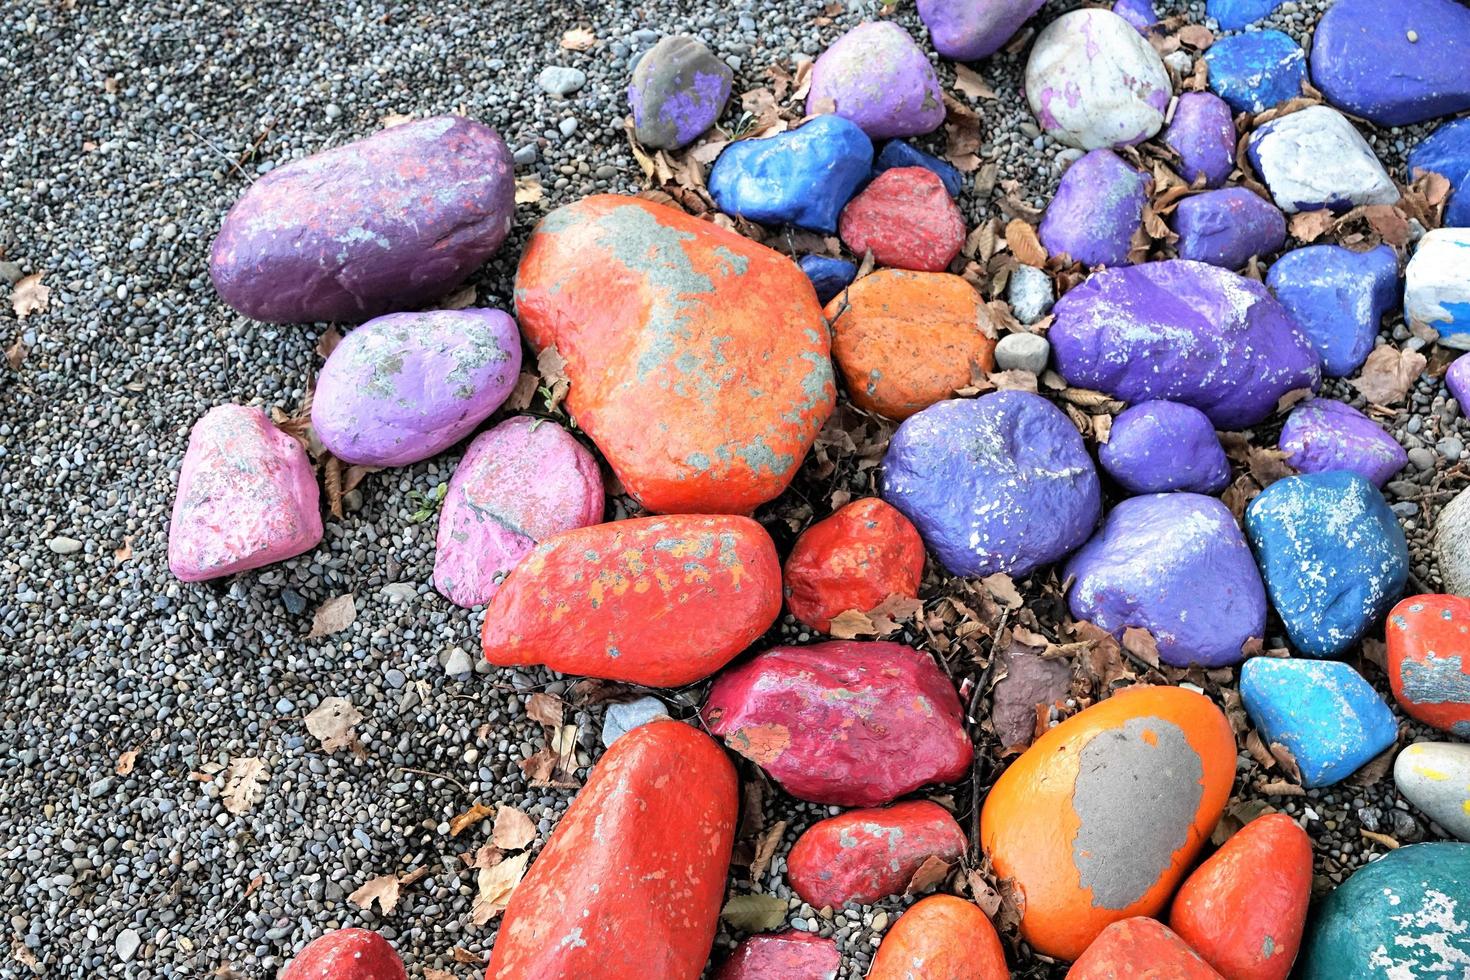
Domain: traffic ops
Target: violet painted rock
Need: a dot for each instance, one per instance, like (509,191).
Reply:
(876,76)
(1457,380)
(1233,15)
(787,956)
(1324,434)
(1314,159)
(967,30)
(829,276)
(524,480)
(1158,446)
(1338,298)
(1202,132)
(1093,82)
(1256,71)
(1446,151)
(1176,565)
(407,386)
(1000,483)
(1186,332)
(1140,13)
(678,91)
(1226,227)
(1097,210)
(1437,285)
(897,153)
(390,222)
(247,497)
(803,176)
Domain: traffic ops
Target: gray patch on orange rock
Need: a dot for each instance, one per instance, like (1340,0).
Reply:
(1435,679)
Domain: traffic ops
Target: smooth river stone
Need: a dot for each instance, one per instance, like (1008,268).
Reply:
(1097,210)
(865,856)
(1140,13)
(804,176)
(1457,381)
(1452,544)
(1202,132)
(1323,434)
(968,30)
(1226,227)
(879,78)
(678,91)
(1437,286)
(941,938)
(1338,298)
(862,554)
(1233,15)
(1446,151)
(1315,158)
(1140,947)
(1435,777)
(1428,660)
(1253,72)
(897,153)
(787,956)
(346,954)
(907,219)
(1158,446)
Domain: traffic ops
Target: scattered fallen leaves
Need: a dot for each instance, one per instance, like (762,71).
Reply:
(544,709)
(1308,226)
(1388,374)
(30,296)
(245,780)
(528,190)
(969,82)
(551,366)
(961,134)
(578,39)
(514,830)
(1024,244)
(1141,643)
(333,616)
(469,818)
(496,884)
(125,553)
(765,849)
(383,889)
(126,762)
(22,955)
(928,876)
(754,913)
(15,354)
(332,722)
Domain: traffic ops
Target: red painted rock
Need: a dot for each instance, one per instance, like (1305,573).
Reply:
(907,218)
(662,601)
(789,956)
(1429,660)
(1244,909)
(941,938)
(862,554)
(346,954)
(850,723)
(630,884)
(1140,949)
(698,359)
(866,855)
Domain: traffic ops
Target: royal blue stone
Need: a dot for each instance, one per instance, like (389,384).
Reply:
(1157,446)
(829,276)
(1256,71)
(802,177)
(1338,298)
(1447,151)
(897,153)
(1236,14)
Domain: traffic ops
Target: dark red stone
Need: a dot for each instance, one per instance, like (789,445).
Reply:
(866,855)
(907,218)
(789,956)
(346,954)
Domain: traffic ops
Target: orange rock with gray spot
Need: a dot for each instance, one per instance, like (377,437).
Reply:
(861,555)
(661,601)
(698,359)
(941,938)
(1140,949)
(866,855)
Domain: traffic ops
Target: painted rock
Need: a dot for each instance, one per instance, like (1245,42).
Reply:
(897,153)
(346,954)
(878,77)
(1140,13)
(668,795)
(1031,293)
(908,220)
(829,276)
(678,91)
(1436,288)
(1029,680)
(968,30)
(407,386)
(905,340)
(1338,298)
(1452,544)
(1332,554)
(662,379)
(1315,159)
(247,497)
(1001,483)
(1158,446)
(1226,227)
(1233,15)
(1202,132)
(1093,82)
(787,956)
(390,222)
(1028,352)
(1253,72)
(1429,660)
(1176,565)
(1244,908)
(1435,777)
(661,601)
(519,483)
(1100,819)
(861,555)
(802,177)
(941,938)
(1097,210)
(1140,947)
(864,856)
(849,723)
(1323,434)
(1446,151)
(1185,332)
(1457,382)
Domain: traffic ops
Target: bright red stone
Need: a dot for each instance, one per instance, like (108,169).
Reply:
(862,554)
(789,956)
(1140,949)
(941,938)
(866,855)
(907,218)
(1429,660)
(346,954)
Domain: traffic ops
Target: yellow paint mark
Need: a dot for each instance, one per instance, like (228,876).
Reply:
(1434,774)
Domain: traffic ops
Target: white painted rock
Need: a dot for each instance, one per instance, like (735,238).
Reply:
(1437,285)
(1022,352)
(1315,159)
(1452,544)
(1435,777)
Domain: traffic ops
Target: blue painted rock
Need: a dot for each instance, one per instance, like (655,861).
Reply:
(967,30)
(1315,159)
(1097,210)
(1322,711)
(1446,151)
(1202,132)
(802,177)
(1253,72)
(829,276)
(1436,288)
(1185,332)
(1323,434)
(1158,446)
(678,91)
(1435,777)
(1176,565)
(787,956)
(1001,483)
(1233,15)
(865,856)
(876,76)
(1140,13)
(1338,298)
(1332,555)
(907,219)
(390,222)
(1457,380)
(1428,660)
(1226,227)
(897,153)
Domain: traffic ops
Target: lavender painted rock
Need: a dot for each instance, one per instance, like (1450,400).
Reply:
(1322,434)
(1157,446)
(1097,210)
(1202,132)
(1315,159)
(876,76)
(391,222)
(1457,380)
(1227,226)
(1446,151)
(1185,332)
(803,176)
(522,481)
(1176,565)
(678,91)
(1140,13)
(247,497)
(1001,483)
(967,30)
(1338,298)
(406,386)
(1256,71)
(1233,15)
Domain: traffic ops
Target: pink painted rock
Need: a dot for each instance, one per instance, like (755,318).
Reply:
(866,855)
(247,497)
(789,956)
(850,723)
(346,954)
(907,218)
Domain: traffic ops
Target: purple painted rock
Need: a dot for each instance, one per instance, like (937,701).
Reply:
(1457,380)
(678,91)
(1202,132)
(1226,227)
(1186,332)
(1097,210)
(524,480)
(876,76)
(1158,446)
(247,497)
(967,30)
(390,222)
(406,386)
(1140,13)
(1323,434)
(1177,565)
(787,956)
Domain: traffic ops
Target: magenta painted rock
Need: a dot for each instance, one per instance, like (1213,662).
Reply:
(390,222)
(966,30)
(876,76)
(1097,210)
(1202,132)
(866,855)
(1323,434)
(788,956)
(1226,227)
(855,724)
(524,480)
(247,497)
(406,386)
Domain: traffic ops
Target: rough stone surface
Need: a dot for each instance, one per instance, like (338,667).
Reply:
(1435,778)
(1031,293)
(1428,660)
(1253,72)
(1446,151)
(1436,288)
(859,556)
(1452,544)
(1226,227)
(968,30)
(788,956)
(1097,210)
(1202,132)
(1022,352)
(1157,446)
(1140,947)
(907,219)
(879,78)
(1338,298)
(829,276)
(804,176)
(947,937)
(865,855)
(678,91)
(1315,159)
(1321,435)
(897,153)
(345,954)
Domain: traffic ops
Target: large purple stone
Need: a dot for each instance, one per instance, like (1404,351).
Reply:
(876,76)
(1202,132)
(1323,434)
(967,30)
(1228,226)
(1097,210)
(1160,446)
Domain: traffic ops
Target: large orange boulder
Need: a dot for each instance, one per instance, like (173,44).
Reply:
(630,884)
(698,359)
(861,555)
(941,938)
(662,601)
(1140,949)
(866,855)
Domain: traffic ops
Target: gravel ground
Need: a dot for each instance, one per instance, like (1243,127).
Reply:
(135,126)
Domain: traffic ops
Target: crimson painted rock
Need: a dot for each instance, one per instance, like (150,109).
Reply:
(346,954)
(698,359)
(861,555)
(1102,817)
(641,852)
(1140,948)
(866,855)
(908,220)
(247,497)
(788,956)
(1429,660)
(941,938)
(855,724)
(662,601)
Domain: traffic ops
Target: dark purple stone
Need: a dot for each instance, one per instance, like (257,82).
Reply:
(1096,211)
(1202,132)
(1457,380)
(1322,434)
(967,30)
(678,91)
(1226,227)
(1159,446)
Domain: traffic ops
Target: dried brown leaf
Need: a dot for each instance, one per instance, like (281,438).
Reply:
(514,829)
(528,190)
(469,818)
(969,82)
(383,889)
(551,366)
(1388,374)
(496,884)
(332,722)
(30,295)
(126,762)
(15,354)
(1382,839)
(928,875)
(765,849)
(578,39)
(545,709)
(1024,244)
(244,784)
(333,616)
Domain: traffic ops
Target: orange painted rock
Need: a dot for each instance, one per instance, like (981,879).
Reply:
(865,855)
(698,359)
(1429,660)
(662,601)
(1244,909)
(1140,949)
(630,884)
(905,340)
(346,954)
(941,938)
(789,956)
(862,554)
(1102,816)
